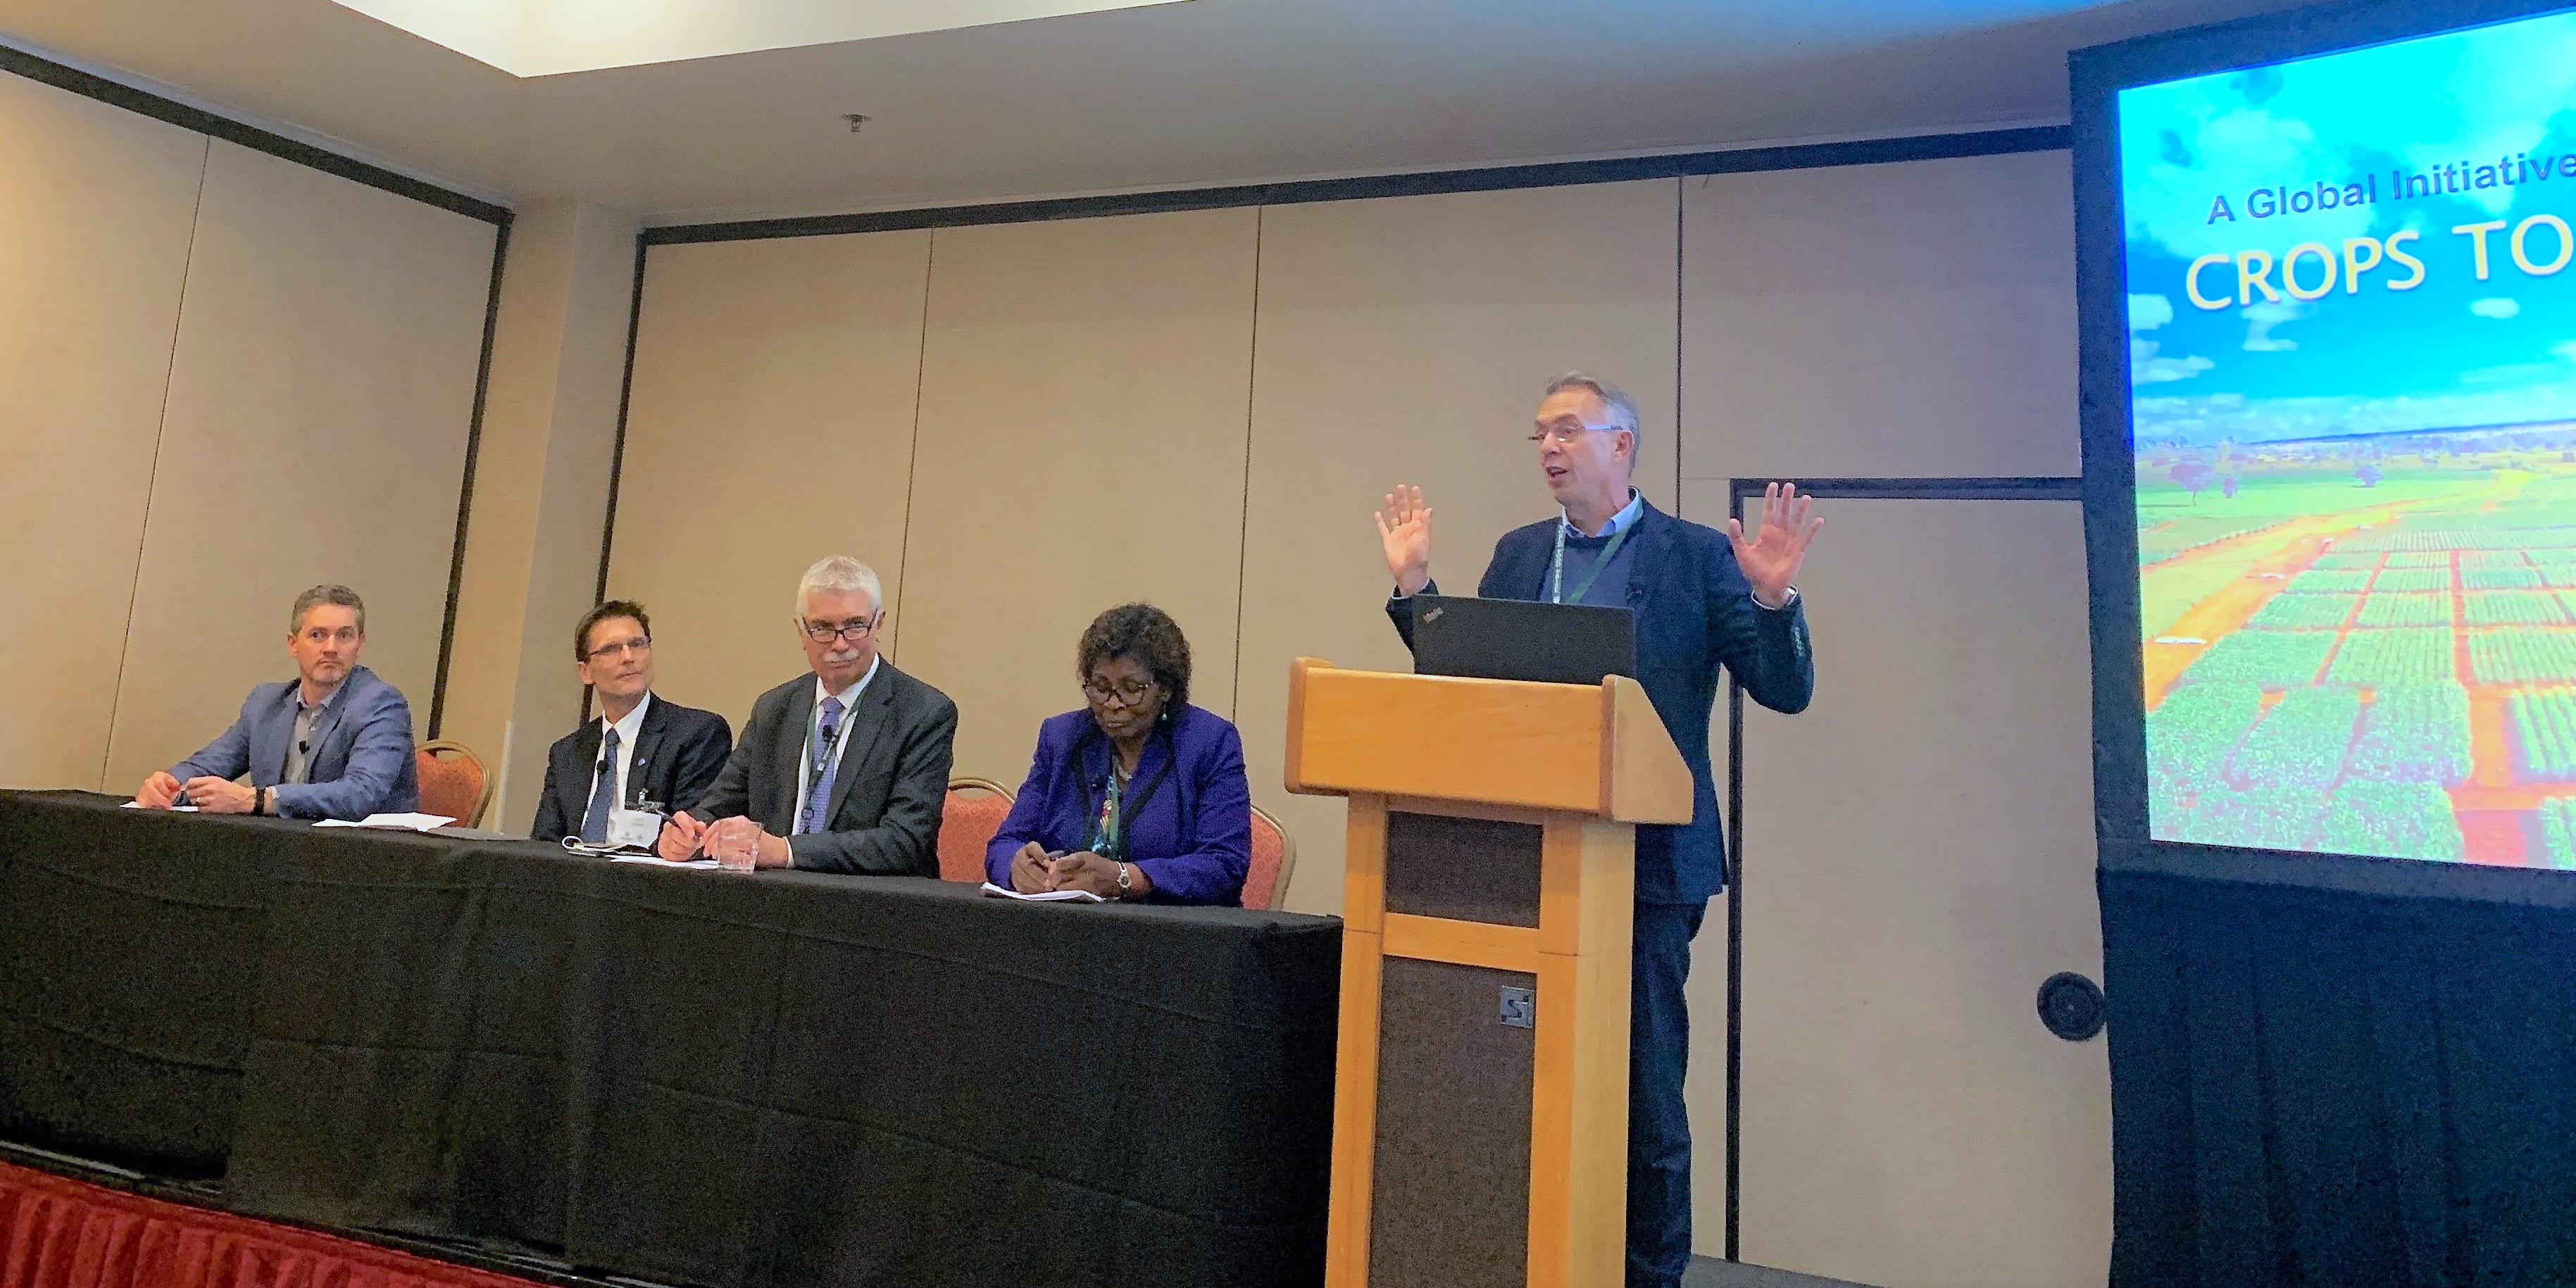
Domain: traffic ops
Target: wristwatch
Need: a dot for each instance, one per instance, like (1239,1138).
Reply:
(1123,887)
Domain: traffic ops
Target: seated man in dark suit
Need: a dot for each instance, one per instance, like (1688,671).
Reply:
(334,742)
(640,747)
(844,770)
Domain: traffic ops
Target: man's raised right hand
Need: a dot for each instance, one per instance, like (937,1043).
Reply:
(1404,529)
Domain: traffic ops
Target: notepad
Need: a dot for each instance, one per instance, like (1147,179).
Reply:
(175,809)
(393,822)
(1051,896)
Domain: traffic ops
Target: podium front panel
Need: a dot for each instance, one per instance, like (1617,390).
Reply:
(1462,869)
(1481,1086)
(1452,1162)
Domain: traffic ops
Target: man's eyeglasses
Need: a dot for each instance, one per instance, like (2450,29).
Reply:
(1128,692)
(1568,433)
(825,632)
(621,648)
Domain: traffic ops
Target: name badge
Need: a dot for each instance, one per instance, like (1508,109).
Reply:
(634,828)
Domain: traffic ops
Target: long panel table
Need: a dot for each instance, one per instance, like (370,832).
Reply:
(678,1075)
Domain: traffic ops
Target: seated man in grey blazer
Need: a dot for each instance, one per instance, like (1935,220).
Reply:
(335,742)
(843,770)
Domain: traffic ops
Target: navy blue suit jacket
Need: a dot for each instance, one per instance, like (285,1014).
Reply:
(1694,613)
(361,762)
(678,753)
(1194,836)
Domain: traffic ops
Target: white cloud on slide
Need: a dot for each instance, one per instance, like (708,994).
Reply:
(2146,368)
(2261,318)
(2497,307)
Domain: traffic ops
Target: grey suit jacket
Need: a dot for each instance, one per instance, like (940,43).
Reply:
(361,762)
(886,796)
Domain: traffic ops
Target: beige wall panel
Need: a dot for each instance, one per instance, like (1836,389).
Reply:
(1408,340)
(563,569)
(1919,858)
(528,334)
(1082,445)
(1906,320)
(320,401)
(95,207)
(540,492)
(770,424)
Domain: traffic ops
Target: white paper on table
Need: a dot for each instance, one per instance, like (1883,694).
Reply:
(660,862)
(1050,896)
(393,822)
(175,809)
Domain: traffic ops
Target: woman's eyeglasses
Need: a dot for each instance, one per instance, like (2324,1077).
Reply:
(1128,692)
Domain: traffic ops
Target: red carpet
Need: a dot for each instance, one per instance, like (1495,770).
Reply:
(56,1233)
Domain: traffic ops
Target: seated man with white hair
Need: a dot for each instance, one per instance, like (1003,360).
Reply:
(843,770)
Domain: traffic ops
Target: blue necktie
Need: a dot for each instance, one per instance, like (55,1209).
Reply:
(603,797)
(818,802)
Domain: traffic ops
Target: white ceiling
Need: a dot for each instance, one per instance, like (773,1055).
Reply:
(544,37)
(1172,95)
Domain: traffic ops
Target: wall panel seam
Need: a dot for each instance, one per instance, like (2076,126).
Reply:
(152,474)
(465,488)
(912,459)
(1681,216)
(617,447)
(1243,534)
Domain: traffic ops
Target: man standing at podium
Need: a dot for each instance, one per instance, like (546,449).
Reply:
(1702,600)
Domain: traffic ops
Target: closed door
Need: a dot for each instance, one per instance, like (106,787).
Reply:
(1919,857)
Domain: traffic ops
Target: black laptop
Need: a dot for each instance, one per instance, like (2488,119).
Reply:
(1521,639)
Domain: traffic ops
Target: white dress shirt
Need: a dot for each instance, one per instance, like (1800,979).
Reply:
(626,731)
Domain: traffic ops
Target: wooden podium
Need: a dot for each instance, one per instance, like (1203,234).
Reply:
(1480,1111)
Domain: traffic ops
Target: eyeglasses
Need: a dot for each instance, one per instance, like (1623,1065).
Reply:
(825,632)
(638,645)
(1128,692)
(1567,434)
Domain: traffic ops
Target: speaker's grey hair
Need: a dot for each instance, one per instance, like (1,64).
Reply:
(1622,408)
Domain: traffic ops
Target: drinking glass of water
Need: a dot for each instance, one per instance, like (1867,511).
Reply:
(735,844)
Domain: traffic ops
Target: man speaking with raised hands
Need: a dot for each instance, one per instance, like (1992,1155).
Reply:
(1702,600)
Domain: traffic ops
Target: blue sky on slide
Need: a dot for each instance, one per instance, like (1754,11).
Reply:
(2240,170)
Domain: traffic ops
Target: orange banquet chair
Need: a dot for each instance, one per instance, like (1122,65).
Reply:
(1265,883)
(452,782)
(968,820)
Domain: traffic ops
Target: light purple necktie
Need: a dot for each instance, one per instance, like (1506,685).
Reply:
(818,802)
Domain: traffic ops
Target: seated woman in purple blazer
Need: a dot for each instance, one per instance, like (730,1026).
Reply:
(1140,796)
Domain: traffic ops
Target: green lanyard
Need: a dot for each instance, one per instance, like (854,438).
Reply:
(1105,829)
(1556,566)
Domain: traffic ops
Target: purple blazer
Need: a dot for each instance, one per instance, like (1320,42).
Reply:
(1194,836)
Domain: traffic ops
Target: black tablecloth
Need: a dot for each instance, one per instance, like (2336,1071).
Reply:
(689,1076)
(2325,1087)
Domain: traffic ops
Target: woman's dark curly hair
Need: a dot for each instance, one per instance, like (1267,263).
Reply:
(1145,633)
